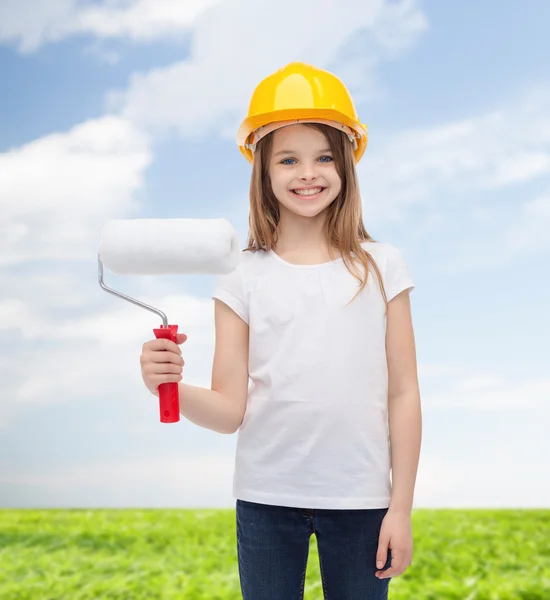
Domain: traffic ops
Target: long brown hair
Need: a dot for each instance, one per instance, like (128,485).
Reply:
(344,223)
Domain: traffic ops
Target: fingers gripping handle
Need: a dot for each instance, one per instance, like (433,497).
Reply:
(169,402)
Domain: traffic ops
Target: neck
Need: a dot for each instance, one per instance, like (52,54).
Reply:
(301,233)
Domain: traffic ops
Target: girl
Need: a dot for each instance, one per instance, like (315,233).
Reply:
(317,316)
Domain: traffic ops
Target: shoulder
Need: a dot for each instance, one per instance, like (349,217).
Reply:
(246,259)
(252,261)
(248,264)
(393,267)
(382,252)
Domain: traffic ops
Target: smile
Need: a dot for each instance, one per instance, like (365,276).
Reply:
(308,192)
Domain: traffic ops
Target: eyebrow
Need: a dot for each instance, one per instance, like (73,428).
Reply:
(294,152)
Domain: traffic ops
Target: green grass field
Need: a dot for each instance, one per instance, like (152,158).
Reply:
(191,554)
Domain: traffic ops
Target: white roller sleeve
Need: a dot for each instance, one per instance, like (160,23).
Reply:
(169,246)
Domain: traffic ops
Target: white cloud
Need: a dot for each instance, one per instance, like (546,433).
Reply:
(31,24)
(455,386)
(486,481)
(482,153)
(119,324)
(397,25)
(435,370)
(58,190)
(141,20)
(530,230)
(157,481)
(97,354)
(211,89)
(524,231)
(522,167)
(484,439)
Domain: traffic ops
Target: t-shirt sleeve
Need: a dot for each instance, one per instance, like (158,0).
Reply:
(230,288)
(397,276)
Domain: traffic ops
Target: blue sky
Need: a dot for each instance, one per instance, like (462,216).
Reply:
(129,109)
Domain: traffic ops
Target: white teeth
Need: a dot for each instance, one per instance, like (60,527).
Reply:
(310,192)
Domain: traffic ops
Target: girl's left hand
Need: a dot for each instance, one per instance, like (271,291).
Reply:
(395,533)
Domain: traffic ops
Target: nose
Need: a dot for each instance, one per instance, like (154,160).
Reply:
(308,172)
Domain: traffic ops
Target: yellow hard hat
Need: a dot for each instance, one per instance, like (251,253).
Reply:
(300,93)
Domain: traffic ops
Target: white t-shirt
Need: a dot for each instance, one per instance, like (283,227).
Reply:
(315,432)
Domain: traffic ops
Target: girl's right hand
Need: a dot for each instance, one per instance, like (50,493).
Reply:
(161,362)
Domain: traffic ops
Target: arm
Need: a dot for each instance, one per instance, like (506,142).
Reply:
(222,407)
(404,410)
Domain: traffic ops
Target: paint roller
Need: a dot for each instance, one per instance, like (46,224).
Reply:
(162,247)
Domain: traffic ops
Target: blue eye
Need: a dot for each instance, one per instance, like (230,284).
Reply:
(285,161)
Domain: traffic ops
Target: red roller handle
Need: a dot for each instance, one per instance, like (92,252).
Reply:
(169,400)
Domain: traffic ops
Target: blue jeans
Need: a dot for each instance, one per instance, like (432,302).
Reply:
(273,547)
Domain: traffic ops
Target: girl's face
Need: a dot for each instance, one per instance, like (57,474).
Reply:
(302,170)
